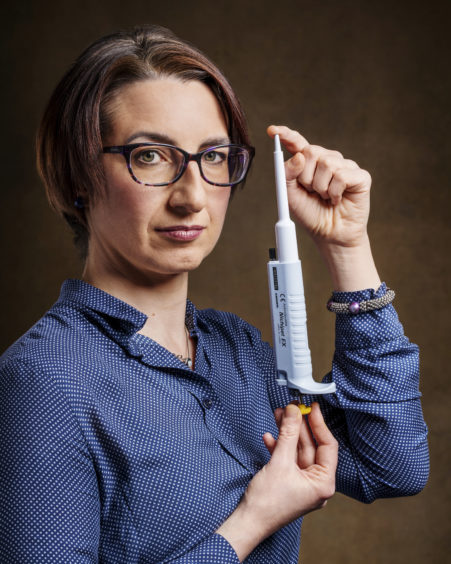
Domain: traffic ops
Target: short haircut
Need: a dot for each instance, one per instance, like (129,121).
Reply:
(69,139)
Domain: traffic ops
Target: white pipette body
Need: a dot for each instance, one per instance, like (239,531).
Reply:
(286,290)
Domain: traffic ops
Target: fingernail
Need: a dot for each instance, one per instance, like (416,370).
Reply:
(292,411)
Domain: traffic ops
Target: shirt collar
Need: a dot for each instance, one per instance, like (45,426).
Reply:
(118,318)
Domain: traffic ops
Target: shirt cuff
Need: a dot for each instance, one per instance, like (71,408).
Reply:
(369,329)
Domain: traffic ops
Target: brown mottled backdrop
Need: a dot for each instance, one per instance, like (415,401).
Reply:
(371,79)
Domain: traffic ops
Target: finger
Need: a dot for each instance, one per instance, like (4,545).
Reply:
(294,166)
(278,413)
(327,446)
(306,447)
(321,179)
(292,140)
(287,442)
(270,442)
(336,188)
(329,164)
(353,180)
(318,159)
(308,172)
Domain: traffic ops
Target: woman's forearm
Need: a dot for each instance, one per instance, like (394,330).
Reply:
(350,268)
(241,532)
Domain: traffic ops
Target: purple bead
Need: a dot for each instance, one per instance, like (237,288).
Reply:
(329,305)
(354,307)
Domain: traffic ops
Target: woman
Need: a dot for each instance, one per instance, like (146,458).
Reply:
(132,423)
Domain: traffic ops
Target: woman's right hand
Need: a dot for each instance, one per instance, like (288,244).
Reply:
(299,478)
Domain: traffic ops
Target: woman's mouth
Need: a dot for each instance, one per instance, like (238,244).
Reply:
(181,232)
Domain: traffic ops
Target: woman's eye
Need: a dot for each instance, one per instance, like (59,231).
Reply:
(149,157)
(214,157)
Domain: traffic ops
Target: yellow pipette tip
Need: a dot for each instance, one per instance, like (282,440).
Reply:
(305,410)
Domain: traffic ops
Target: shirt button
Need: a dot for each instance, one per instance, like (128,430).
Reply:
(207,403)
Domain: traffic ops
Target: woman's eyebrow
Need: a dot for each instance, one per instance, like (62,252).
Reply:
(162,138)
(150,136)
(212,141)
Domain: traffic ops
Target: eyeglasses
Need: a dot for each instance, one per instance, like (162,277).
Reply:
(158,164)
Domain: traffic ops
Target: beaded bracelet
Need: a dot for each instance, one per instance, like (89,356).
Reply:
(362,307)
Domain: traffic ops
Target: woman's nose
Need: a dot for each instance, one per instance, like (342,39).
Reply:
(189,194)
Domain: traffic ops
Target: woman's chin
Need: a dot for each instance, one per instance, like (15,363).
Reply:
(181,266)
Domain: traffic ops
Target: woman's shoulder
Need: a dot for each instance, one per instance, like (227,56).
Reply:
(54,332)
(56,351)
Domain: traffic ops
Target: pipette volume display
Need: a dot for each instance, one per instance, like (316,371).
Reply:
(287,302)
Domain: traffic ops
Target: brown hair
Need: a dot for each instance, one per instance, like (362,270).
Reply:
(69,139)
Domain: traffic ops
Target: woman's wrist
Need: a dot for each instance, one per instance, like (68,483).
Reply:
(351,267)
(242,531)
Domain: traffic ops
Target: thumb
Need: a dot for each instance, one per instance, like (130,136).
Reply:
(294,166)
(290,427)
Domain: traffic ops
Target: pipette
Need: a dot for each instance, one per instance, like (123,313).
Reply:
(287,302)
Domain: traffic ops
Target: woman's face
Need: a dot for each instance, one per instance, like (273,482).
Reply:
(141,231)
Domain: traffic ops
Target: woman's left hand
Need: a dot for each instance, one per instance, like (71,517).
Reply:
(328,194)
(299,478)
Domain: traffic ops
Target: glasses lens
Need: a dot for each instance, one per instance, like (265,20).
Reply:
(225,165)
(155,164)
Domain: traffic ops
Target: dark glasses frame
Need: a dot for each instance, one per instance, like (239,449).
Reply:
(126,151)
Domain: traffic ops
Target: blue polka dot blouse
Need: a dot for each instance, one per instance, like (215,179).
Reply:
(113,451)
